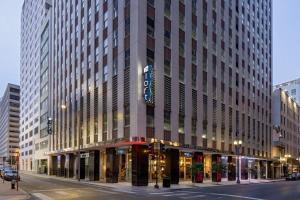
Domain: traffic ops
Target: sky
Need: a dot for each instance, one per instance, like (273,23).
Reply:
(286,41)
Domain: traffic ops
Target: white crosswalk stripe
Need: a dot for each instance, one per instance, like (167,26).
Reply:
(42,196)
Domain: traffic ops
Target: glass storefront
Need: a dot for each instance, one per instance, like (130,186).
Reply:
(102,165)
(225,167)
(244,169)
(124,157)
(185,166)
(253,168)
(157,163)
(207,168)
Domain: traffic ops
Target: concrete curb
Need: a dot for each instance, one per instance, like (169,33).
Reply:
(149,187)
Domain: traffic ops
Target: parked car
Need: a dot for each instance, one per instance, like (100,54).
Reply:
(2,171)
(298,176)
(291,177)
(11,175)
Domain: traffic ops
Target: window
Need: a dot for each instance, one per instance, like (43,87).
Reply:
(150,2)
(14,97)
(115,120)
(167,38)
(293,92)
(127,58)
(181,124)
(105,46)
(105,73)
(127,26)
(43,133)
(181,48)
(150,27)
(181,20)
(167,8)
(115,38)
(167,120)
(126,115)
(167,67)
(194,75)
(150,116)
(115,66)
(181,72)
(105,20)
(115,4)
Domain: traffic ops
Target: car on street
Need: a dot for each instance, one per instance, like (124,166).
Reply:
(11,175)
(291,177)
(3,169)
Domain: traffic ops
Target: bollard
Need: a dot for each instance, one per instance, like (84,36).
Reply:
(13,183)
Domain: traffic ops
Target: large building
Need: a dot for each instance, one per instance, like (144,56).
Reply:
(9,125)
(35,59)
(292,88)
(192,76)
(286,135)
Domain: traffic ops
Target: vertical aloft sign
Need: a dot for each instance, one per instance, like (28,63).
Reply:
(148,84)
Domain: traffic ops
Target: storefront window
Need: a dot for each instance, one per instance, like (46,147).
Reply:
(207,167)
(185,166)
(224,167)
(158,163)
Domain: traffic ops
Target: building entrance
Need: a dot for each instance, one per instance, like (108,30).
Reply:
(185,166)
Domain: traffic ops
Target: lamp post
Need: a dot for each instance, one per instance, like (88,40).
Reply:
(238,144)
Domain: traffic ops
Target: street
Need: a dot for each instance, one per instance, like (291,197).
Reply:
(47,188)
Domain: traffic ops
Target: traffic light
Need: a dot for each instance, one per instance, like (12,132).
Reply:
(162,148)
(151,148)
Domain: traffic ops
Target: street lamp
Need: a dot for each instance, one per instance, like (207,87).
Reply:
(238,145)
(63,107)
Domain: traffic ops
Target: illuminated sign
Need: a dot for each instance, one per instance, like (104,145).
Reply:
(148,81)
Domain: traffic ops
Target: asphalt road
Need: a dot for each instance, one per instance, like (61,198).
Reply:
(47,188)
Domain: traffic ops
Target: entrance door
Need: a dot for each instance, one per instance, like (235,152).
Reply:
(185,168)
(82,168)
(122,167)
(207,167)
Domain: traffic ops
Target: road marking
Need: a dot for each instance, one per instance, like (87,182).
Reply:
(237,196)
(175,194)
(42,196)
(124,191)
(192,197)
(161,192)
(62,192)
(105,191)
(53,190)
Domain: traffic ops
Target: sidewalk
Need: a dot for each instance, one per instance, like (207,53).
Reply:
(6,193)
(127,187)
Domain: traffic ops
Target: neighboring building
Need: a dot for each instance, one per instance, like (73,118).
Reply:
(292,88)
(35,58)
(9,124)
(286,136)
(195,75)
